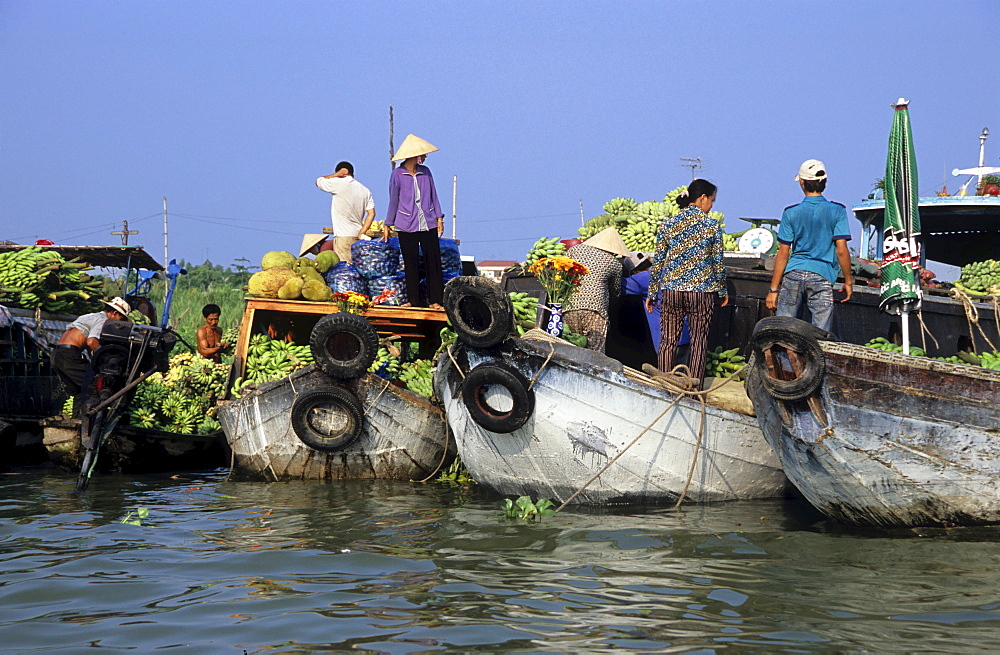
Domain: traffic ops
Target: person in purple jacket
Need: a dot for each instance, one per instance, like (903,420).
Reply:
(416,214)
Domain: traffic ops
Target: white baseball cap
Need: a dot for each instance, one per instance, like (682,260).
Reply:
(119,306)
(811,169)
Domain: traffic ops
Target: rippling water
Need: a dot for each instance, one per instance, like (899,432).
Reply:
(227,566)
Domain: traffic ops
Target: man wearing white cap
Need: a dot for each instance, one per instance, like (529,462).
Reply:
(588,314)
(67,357)
(812,239)
(352,208)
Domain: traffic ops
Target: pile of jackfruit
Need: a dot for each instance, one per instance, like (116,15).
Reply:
(287,277)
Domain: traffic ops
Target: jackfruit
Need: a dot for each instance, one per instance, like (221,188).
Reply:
(317,291)
(309,273)
(266,283)
(302,262)
(279,258)
(325,260)
(292,289)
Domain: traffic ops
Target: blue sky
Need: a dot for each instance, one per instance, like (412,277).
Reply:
(232,109)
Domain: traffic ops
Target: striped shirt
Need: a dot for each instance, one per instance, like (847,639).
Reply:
(688,254)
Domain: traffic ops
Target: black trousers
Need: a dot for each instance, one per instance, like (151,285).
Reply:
(71,366)
(410,245)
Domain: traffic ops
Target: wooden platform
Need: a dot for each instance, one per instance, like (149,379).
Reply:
(295,319)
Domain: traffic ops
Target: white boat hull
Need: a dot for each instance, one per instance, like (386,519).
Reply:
(403,436)
(586,415)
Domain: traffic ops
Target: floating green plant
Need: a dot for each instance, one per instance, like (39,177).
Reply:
(523,509)
(140,513)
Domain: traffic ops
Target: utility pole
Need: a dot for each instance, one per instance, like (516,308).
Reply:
(392,148)
(454,208)
(166,252)
(582,221)
(694,163)
(124,233)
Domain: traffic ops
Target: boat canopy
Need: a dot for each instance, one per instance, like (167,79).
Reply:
(956,230)
(101,256)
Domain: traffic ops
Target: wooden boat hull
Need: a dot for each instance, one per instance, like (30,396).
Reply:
(403,436)
(131,449)
(888,439)
(587,408)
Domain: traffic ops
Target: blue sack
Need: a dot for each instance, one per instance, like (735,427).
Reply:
(396,282)
(375,258)
(343,277)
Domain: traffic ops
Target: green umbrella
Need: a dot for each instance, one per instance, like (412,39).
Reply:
(901,225)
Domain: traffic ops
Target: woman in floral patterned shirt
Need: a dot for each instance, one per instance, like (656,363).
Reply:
(687,274)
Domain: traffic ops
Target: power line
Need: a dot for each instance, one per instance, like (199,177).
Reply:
(243,220)
(522,218)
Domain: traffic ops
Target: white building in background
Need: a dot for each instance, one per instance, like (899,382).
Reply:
(494,268)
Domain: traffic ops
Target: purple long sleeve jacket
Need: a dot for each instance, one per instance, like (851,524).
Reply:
(402,211)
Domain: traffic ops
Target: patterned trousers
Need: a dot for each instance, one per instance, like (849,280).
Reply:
(590,324)
(674,306)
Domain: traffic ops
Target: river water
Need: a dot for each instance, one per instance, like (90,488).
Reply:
(233,566)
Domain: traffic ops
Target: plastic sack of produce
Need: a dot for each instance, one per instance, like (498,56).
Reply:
(375,258)
(451,258)
(345,277)
(388,289)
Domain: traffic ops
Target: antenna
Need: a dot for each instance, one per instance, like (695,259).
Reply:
(392,149)
(694,163)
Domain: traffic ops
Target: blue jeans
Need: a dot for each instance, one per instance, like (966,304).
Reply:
(815,289)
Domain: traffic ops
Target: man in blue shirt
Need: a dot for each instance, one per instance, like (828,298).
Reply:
(812,239)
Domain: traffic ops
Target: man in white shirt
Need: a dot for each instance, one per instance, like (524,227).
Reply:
(352,208)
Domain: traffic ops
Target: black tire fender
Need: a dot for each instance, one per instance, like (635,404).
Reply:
(478,382)
(479,310)
(343,345)
(798,336)
(327,419)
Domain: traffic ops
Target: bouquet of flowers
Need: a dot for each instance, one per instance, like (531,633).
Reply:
(560,276)
(351,301)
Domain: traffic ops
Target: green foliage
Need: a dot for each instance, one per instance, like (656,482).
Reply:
(523,509)
(456,474)
(140,513)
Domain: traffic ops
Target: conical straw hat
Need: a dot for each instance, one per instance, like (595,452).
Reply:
(413,146)
(310,240)
(609,240)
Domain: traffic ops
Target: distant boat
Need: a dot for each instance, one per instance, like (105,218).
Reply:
(360,428)
(878,438)
(549,440)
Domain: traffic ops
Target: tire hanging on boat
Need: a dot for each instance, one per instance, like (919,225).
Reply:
(476,386)
(479,310)
(343,345)
(796,336)
(328,419)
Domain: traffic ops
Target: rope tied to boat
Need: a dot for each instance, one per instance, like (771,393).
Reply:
(452,358)
(534,378)
(972,315)
(680,393)
(925,331)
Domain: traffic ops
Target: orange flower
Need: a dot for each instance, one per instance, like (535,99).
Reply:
(559,276)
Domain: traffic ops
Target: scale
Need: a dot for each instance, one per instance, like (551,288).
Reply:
(760,239)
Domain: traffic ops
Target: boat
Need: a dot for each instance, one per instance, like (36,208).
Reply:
(878,438)
(132,449)
(547,419)
(360,428)
(334,420)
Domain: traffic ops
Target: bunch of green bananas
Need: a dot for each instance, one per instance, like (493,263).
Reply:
(386,359)
(271,359)
(183,398)
(574,338)
(980,278)
(729,242)
(231,335)
(525,310)
(620,206)
(545,247)
(418,376)
(881,343)
(32,277)
(639,233)
(986,359)
(723,363)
